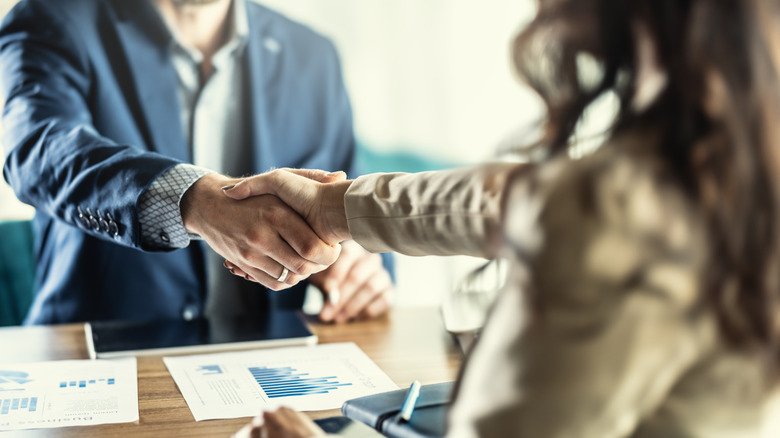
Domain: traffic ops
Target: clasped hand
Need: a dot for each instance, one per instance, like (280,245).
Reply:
(290,219)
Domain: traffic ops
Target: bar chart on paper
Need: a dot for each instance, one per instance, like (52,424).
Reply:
(288,382)
(232,385)
(67,393)
(83,383)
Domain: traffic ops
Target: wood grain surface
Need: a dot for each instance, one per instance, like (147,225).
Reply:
(408,344)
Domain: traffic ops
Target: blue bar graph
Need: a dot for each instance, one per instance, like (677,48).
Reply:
(16,404)
(288,382)
(207,370)
(86,383)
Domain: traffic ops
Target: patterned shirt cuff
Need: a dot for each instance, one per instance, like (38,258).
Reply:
(158,208)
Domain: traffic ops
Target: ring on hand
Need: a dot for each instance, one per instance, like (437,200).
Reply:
(283,276)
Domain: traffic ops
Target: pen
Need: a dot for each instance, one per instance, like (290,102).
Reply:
(411,399)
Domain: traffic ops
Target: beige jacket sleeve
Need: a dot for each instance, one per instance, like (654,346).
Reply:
(430,213)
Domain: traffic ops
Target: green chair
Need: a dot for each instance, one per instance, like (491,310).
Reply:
(17,271)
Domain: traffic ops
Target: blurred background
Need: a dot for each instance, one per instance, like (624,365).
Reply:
(431,87)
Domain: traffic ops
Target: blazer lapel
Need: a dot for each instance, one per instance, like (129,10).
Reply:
(146,42)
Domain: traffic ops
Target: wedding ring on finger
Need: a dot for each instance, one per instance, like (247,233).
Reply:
(283,276)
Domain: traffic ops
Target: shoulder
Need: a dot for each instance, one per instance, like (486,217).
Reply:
(304,39)
(58,22)
(614,218)
(60,11)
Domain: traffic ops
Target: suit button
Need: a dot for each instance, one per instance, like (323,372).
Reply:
(113,229)
(190,312)
(93,223)
(102,222)
(83,220)
(164,237)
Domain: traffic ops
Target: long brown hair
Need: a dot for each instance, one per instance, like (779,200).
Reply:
(719,114)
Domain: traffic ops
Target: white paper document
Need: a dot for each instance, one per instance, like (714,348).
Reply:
(241,384)
(68,393)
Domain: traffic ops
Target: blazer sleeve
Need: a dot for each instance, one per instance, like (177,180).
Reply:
(430,213)
(596,324)
(56,161)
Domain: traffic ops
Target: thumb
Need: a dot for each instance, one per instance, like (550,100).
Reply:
(320,176)
(252,186)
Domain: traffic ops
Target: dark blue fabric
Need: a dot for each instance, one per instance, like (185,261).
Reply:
(91,118)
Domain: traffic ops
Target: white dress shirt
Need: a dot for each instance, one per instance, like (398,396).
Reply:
(215,124)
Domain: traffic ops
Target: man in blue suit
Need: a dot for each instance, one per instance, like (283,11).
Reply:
(107,102)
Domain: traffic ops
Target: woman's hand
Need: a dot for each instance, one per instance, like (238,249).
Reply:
(316,195)
(282,423)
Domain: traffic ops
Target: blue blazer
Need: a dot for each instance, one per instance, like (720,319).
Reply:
(91,118)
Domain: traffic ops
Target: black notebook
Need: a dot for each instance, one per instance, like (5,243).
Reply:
(380,411)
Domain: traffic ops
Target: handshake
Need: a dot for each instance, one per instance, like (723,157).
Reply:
(284,226)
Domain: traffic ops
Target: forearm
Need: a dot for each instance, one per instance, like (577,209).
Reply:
(71,173)
(431,213)
(57,161)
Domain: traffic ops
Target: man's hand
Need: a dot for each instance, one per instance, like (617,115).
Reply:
(262,236)
(355,286)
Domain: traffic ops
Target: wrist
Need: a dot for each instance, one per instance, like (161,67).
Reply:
(334,211)
(199,198)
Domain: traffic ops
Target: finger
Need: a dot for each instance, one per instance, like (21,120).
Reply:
(258,276)
(328,312)
(267,280)
(251,430)
(379,306)
(321,176)
(374,286)
(253,186)
(295,245)
(285,422)
(235,270)
(364,266)
(270,183)
(330,308)
(330,280)
(308,245)
(273,264)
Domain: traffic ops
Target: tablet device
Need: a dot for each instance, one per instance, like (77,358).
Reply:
(133,338)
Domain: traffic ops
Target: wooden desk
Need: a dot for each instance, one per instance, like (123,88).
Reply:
(408,344)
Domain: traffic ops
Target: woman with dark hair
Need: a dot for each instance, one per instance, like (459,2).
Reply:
(644,295)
